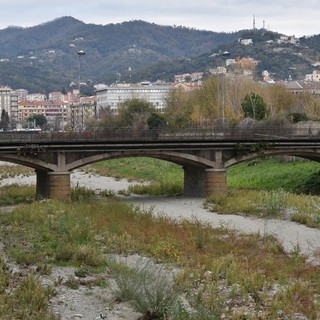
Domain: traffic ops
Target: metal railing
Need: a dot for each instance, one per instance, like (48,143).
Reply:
(189,134)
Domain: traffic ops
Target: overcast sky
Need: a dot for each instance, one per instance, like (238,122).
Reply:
(291,17)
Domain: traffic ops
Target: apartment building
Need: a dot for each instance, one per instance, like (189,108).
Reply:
(36,97)
(22,94)
(112,96)
(80,111)
(9,103)
(56,112)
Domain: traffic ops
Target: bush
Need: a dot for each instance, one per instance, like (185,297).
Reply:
(146,287)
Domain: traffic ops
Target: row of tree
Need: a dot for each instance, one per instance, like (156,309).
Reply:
(218,100)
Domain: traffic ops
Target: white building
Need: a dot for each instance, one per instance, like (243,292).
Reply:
(314,76)
(36,97)
(22,94)
(112,96)
(245,42)
(9,103)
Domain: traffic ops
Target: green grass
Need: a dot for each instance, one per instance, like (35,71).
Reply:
(271,174)
(164,177)
(260,174)
(139,169)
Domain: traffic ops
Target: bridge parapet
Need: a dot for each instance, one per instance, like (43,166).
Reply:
(123,134)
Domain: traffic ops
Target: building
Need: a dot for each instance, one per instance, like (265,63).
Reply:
(36,97)
(187,77)
(9,103)
(112,96)
(27,109)
(56,112)
(22,94)
(56,96)
(245,42)
(80,111)
(314,76)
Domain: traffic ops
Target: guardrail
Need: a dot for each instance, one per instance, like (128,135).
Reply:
(123,134)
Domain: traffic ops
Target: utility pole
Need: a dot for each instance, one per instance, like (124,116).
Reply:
(81,53)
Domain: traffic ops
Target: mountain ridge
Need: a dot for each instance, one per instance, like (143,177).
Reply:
(44,58)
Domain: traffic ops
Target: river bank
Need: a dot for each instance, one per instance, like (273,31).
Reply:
(88,302)
(292,235)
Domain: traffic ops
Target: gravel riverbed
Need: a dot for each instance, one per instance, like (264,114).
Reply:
(96,303)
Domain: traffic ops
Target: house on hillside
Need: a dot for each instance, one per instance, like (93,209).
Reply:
(245,42)
(314,76)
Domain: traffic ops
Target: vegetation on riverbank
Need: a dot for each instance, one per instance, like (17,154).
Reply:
(263,187)
(260,174)
(223,274)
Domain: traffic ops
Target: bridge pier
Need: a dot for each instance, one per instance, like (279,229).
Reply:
(216,182)
(53,185)
(194,182)
(41,184)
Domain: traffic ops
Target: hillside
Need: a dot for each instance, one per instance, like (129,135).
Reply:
(282,61)
(44,58)
(50,50)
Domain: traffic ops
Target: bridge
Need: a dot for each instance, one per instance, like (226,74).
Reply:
(204,154)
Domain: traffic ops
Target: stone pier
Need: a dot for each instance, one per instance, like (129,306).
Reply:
(216,182)
(194,182)
(53,185)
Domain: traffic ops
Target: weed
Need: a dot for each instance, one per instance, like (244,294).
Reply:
(82,272)
(44,269)
(146,287)
(274,202)
(107,193)
(72,283)
(28,301)
(82,194)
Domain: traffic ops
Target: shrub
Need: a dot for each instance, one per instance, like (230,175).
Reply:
(146,287)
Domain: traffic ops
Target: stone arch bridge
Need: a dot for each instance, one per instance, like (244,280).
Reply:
(204,154)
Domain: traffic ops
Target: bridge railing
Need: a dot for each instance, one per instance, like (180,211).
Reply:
(122,134)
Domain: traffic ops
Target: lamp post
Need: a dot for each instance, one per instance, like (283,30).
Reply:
(81,53)
(224,54)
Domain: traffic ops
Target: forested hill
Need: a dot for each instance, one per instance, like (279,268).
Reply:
(50,49)
(44,58)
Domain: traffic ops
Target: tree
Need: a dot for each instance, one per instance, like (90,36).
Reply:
(134,113)
(295,117)
(156,121)
(279,100)
(39,120)
(4,122)
(179,108)
(254,106)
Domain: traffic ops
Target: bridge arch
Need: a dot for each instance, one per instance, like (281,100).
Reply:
(194,167)
(33,163)
(308,154)
(183,159)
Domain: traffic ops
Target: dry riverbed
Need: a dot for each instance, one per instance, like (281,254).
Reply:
(95,302)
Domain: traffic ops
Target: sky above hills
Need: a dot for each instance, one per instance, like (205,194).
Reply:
(290,17)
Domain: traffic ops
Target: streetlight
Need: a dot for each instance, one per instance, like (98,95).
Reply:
(81,53)
(224,54)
